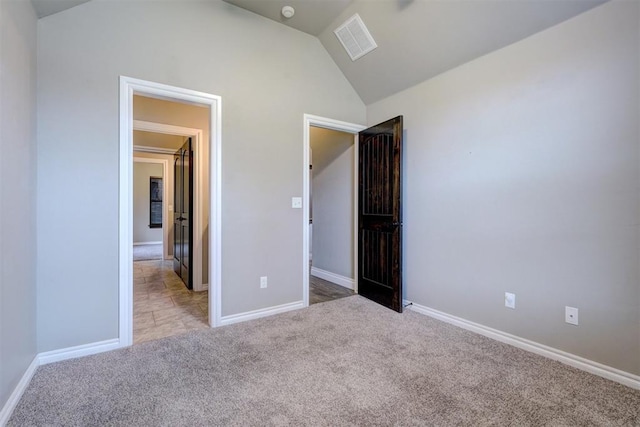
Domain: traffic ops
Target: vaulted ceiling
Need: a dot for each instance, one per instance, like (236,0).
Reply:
(417,39)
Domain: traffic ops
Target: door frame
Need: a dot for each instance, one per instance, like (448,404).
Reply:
(165,196)
(127,88)
(326,123)
(198,187)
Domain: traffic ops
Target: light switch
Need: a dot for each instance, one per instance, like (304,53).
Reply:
(296,202)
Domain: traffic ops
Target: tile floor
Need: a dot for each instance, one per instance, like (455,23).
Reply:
(162,304)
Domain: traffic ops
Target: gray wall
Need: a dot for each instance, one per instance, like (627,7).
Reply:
(332,192)
(142,172)
(268,76)
(17,192)
(521,175)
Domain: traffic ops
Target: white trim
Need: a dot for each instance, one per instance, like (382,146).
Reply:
(78,351)
(323,122)
(613,374)
(154,150)
(146,243)
(129,86)
(18,391)
(263,312)
(344,281)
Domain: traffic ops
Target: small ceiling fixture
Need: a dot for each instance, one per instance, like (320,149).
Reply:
(288,11)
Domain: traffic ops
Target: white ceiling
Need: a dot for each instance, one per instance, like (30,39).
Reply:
(417,39)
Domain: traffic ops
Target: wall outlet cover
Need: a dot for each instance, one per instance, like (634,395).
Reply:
(509,300)
(296,202)
(263,282)
(571,315)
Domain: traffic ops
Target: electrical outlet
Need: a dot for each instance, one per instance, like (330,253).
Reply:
(263,282)
(509,300)
(296,202)
(571,315)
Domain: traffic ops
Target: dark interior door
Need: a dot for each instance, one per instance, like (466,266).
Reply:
(380,214)
(182,213)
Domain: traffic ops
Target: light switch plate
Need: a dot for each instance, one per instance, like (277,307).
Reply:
(296,202)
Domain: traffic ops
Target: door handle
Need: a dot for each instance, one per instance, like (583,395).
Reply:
(396,223)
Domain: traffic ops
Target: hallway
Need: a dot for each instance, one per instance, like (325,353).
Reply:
(162,305)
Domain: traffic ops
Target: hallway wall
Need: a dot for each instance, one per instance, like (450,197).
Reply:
(142,172)
(333,200)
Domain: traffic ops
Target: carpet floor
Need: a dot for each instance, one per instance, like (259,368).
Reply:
(348,362)
(147,252)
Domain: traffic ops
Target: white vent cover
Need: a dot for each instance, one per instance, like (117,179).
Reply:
(355,37)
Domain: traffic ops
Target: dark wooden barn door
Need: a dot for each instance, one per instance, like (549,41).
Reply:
(380,214)
(182,213)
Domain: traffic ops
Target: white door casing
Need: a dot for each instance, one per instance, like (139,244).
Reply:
(323,122)
(128,87)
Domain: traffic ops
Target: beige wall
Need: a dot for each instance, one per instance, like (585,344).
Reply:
(333,200)
(268,76)
(189,116)
(18,299)
(168,182)
(521,175)
(142,172)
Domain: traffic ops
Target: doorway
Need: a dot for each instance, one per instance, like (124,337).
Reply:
(313,274)
(169,297)
(331,212)
(130,87)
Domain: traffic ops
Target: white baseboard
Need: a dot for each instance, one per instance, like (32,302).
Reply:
(333,278)
(78,351)
(263,312)
(11,404)
(146,243)
(578,362)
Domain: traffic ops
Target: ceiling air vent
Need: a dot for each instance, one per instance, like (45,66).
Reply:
(355,37)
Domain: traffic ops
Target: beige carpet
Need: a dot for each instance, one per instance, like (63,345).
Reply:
(347,362)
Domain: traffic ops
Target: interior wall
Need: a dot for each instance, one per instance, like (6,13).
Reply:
(333,200)
(190,116)
(521,175)
(142,172)
(168,181)
(268,76)
(17,195)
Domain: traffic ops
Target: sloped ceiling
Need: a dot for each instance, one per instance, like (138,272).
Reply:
(311,16)
(49,7)
(417,39)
